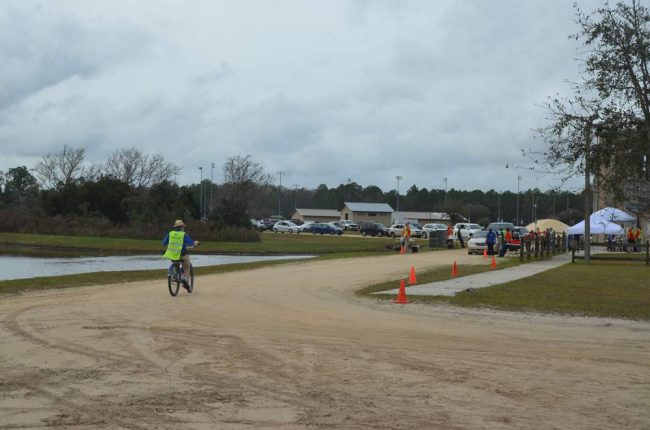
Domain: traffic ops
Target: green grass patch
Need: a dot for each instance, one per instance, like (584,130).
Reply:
(434,275)
(272,243)
(611,289)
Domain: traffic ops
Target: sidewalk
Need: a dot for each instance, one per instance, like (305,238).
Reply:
(485,279)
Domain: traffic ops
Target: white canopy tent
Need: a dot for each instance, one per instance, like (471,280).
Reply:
(613,215)
(603,222)
(596,226)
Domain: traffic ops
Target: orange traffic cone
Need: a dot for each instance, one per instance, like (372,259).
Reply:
(412,279)
(485,253)
(401,296)
(454,270)
(493,265)
(402,250)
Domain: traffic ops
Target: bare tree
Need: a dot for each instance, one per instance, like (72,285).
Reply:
(61,167)
(617,67)
(139,170)
(243,178)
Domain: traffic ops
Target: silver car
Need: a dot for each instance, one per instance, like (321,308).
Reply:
(428,228)
(286,227)
(476,244)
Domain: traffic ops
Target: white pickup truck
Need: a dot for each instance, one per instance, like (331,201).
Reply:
(466,229)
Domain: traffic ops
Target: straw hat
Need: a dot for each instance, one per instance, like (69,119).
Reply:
(179,223)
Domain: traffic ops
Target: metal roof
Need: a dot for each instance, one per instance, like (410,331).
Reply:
(319,212)
(422,215)
(369,207)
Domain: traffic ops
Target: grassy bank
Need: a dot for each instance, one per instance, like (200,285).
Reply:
(272,243)
(326,247)
(434,275)
(603,289)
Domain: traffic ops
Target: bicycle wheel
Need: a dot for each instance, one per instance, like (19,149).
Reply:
(190,280)
(172,281)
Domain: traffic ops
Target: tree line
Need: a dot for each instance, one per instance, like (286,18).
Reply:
(136,194)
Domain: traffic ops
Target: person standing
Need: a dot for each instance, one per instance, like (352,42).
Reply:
(450,236)
(459,234)
(490,241)
(631,239)
(638,238)
(506,242)
(406,236)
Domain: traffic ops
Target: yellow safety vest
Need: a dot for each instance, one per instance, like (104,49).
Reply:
(406,232)
(175,245)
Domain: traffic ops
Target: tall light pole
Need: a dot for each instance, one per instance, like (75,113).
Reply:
(397,204)
(349,189)
(280,174)
(201,194)
(499,215)
(518,180)
(295,196)
(445,179)
(211,184)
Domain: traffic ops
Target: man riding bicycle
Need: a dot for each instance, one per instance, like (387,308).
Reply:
(177,242)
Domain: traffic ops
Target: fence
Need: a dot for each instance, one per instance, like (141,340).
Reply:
(631,252)
(542,246)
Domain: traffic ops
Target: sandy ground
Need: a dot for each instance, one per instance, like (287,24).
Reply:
(290,347)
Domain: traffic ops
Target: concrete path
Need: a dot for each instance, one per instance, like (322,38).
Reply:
(485,279)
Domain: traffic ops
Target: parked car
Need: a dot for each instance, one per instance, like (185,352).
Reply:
(349,225)
(305,225)
(467,230)
(256,224)
(522,231)
(396,230)
(267,223)
(428,228)
(372,229)
(498,226)
(285,227)
(476,244)
(323,228)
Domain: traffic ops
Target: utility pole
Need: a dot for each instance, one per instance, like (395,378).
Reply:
(518,181)
(397,204)
(499,215)
(211,185)
(280,174)
(588,208)
(445,179)
(201,194)
(295,196)
(532,208)
(349,189)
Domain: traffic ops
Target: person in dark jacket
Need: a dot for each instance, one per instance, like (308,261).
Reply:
(490,241)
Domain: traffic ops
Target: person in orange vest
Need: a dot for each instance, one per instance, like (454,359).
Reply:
(631,238)
(638,238)
(506,242)
(450,236)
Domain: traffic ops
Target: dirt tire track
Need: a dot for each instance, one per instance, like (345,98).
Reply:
(291,347)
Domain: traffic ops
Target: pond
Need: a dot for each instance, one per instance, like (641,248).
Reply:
(16,267)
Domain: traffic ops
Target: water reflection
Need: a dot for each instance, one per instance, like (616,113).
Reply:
(31,267)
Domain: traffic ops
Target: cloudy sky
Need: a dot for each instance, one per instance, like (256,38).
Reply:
(323,90)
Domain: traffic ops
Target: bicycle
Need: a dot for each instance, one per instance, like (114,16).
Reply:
(175,280)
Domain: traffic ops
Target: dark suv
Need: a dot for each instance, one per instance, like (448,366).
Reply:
(372,228)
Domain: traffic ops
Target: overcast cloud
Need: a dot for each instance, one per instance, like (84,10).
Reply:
(323,90)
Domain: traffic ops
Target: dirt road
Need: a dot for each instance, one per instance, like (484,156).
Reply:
(290,347)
